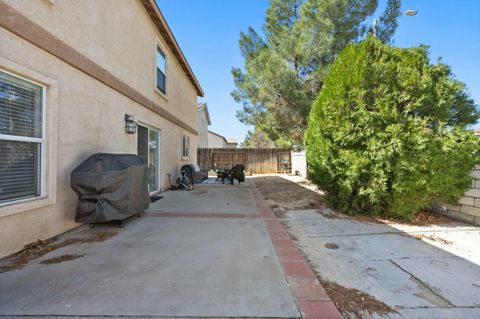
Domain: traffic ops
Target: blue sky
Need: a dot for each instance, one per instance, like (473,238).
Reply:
(208,33)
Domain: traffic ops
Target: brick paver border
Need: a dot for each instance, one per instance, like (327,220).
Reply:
(310,297)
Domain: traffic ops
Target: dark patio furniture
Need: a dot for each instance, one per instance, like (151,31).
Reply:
(222,176)
(237,172)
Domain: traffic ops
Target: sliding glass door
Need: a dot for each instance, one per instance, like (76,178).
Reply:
(148,148)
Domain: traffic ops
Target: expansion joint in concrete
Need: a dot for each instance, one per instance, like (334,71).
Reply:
(426,286)
(437,307)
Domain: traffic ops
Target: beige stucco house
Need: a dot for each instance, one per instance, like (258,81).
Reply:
(216,140)
(203,121)
(231,142)
(70,72)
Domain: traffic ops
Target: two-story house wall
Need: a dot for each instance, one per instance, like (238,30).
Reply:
(203,121)
(70,72)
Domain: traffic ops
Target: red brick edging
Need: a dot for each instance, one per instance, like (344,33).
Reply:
(310,297)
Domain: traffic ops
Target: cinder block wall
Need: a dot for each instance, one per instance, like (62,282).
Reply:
(468,208)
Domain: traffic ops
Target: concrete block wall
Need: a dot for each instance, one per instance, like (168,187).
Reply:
(468,208)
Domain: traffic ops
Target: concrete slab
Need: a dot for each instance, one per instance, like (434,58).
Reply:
(313,224)
(454,278)
(436,313)
(223,199)
(381,279)
(427,278)
(170,267)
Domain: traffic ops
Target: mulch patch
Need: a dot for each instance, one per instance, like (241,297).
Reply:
(39,248)
(354,303)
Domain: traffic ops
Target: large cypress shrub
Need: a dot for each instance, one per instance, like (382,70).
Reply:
(388,134)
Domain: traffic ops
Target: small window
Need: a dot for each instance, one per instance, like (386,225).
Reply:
(21,138)
(185,147)
(161,71)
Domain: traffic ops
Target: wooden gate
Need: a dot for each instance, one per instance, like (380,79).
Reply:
(256,160)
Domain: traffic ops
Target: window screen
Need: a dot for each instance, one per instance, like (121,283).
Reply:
(21,138)
(161,71)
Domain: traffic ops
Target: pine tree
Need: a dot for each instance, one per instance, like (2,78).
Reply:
(286,66)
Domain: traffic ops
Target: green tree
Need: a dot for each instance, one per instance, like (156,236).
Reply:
(285,67)
(388,133)
(257,139)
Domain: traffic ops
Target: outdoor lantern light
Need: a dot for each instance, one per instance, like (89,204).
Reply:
(130,124)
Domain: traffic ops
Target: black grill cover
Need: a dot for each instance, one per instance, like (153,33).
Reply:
(110,187)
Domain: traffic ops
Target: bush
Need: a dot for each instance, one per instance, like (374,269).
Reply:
(388,135)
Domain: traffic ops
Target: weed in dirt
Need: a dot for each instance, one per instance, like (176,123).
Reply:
(39,248)
(61,259)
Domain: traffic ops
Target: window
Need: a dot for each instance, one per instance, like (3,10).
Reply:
(185,147)
(161,71)
(21,138)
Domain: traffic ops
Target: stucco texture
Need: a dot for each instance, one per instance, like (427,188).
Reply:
(120,37)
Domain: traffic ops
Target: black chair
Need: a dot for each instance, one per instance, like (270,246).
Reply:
(237,172)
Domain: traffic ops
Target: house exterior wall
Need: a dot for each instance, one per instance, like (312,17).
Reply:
(202,126)
(85,116)
(215,141)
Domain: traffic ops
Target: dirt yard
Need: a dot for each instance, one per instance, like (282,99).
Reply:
(284,195)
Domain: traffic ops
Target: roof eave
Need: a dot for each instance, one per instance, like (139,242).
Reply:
(204,106)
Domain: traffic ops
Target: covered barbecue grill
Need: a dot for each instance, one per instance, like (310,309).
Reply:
(110,187)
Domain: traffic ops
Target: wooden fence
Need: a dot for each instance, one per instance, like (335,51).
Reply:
(256,160)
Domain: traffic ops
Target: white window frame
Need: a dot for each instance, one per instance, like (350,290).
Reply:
(187,138)
(158,45)
(40,141)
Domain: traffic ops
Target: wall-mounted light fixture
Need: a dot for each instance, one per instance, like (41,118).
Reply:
(130,124)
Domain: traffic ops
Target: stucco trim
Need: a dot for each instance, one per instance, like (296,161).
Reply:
(18,24)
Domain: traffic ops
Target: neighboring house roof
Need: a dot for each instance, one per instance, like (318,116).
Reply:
(221,136)
(203,106)
(162,26)
(227,140)
(476,131)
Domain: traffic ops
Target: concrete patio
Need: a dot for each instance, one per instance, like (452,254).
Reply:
(211,252)
(420,271)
